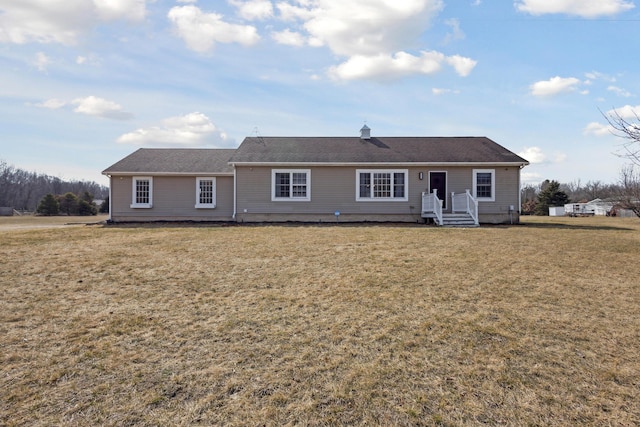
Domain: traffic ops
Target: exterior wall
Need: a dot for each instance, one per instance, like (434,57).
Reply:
(333,189)
(174,199)
(507,196)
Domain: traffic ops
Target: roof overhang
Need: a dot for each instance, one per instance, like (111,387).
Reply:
(147,173)
(378,164)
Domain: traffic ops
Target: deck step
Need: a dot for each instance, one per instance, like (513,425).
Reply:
(458,220)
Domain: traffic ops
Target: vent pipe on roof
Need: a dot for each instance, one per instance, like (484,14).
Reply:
(365,132)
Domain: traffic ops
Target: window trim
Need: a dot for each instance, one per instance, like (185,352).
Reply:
(391,172)
(211,205)
(134,183)
(493,185)
(291,198)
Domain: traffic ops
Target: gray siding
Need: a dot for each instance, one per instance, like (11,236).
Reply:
(333,189)
(174,199)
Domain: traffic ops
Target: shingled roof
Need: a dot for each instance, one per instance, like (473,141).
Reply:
(354,150)
(174,161)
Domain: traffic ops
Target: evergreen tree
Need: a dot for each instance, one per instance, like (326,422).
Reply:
(69,204)
(104,207)
(85,208)
(550,195)
(48,205)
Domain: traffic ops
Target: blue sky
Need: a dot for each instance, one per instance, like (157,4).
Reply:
(84,83)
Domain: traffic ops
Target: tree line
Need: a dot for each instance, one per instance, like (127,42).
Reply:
(536,199)
(24,190)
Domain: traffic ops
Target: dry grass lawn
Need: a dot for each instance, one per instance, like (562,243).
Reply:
(537,324)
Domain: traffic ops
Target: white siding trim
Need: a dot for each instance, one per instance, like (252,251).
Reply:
(291,198)
(383,199)
(134,182)
(493,185)
(211,205)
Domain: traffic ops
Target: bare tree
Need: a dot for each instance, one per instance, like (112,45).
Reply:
(629,131)
(629,196)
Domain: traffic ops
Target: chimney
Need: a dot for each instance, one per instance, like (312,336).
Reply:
(365,132)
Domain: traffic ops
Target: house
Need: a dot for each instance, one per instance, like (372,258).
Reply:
(447,180)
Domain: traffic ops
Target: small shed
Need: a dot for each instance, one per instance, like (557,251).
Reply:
(6,211)
(556,210)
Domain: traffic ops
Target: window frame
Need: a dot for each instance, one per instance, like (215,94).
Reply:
(199,204)
(135,204)
(492,198)
(392,185)
(291,197)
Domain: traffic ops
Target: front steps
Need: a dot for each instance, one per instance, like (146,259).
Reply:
(454,220)
(457,220)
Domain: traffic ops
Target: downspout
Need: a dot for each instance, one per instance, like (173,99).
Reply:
(110,198)
(235,192)
(520,191)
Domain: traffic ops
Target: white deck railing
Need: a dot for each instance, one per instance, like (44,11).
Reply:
(433,205)
(465,202)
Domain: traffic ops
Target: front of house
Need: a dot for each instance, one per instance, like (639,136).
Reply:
(321,179)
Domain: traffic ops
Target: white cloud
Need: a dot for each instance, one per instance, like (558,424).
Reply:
(375,36)
(288,37)
(370,27)
(462,65)
(583,8)
(88,60)
(598,129)
(533,155)
(384,67)
(190,130)
(439,91)
(628,112)
(531,177)
(100,107)
(596,75)
(52,104)
(554,86)
(200,31)
(132,10)
(619,91)
(46,21)
(254,9)
(289,12)
(456,33)
(42,61)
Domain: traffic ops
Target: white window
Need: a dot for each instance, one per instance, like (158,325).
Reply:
(291,185)
(142,192)
(205,192)
(382,185)
(484,184)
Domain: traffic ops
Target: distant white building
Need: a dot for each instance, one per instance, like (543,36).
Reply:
(556,210)
(593,207)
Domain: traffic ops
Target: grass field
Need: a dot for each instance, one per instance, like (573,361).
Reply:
(537,324)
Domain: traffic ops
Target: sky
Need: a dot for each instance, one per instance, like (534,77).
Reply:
(84,83)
